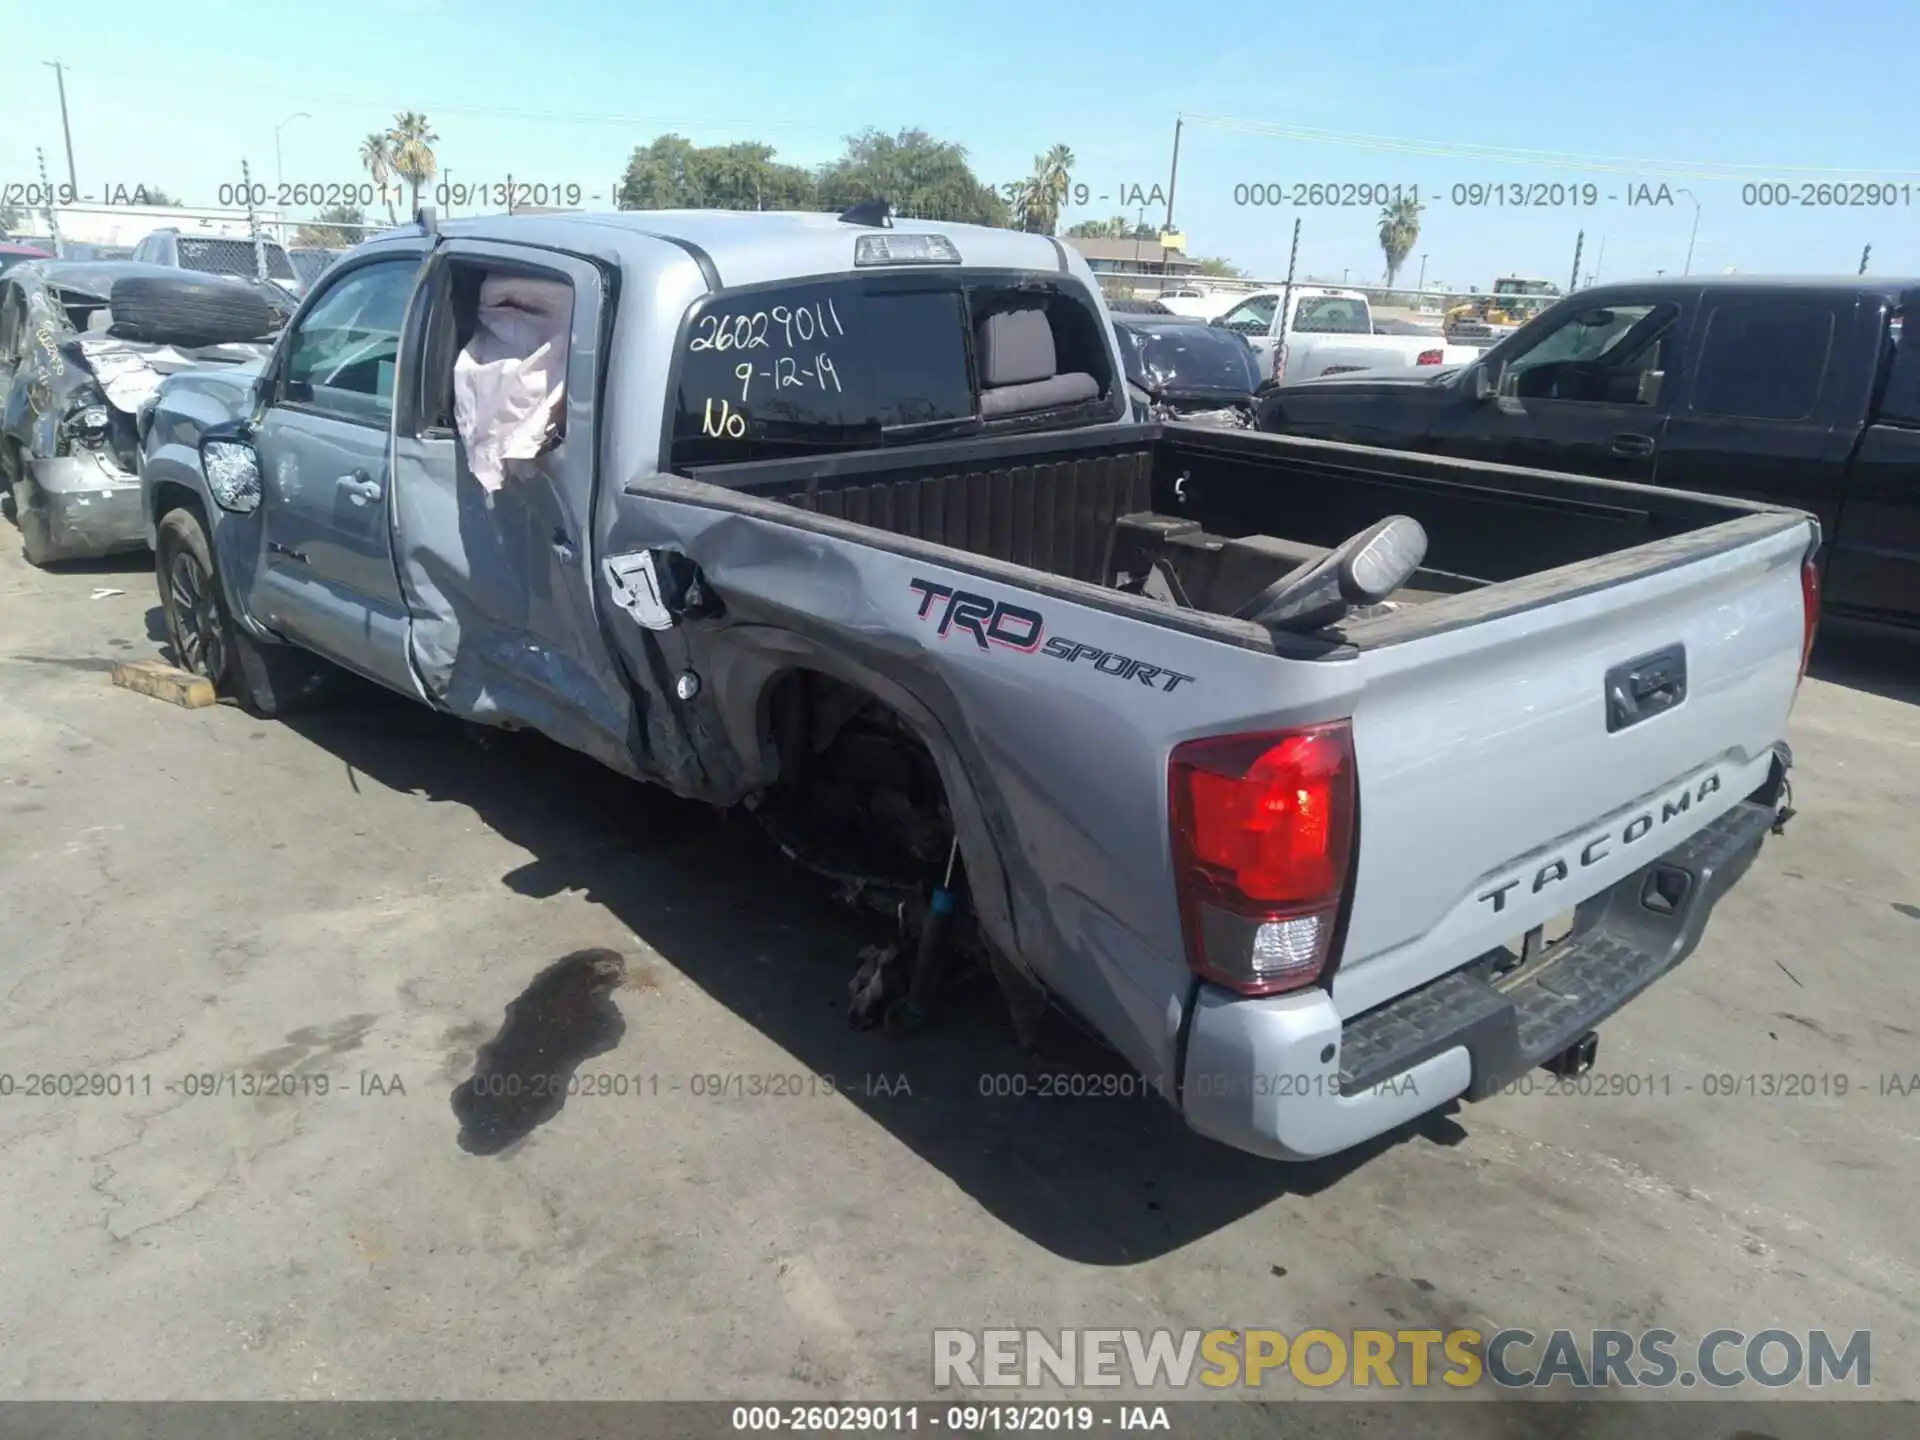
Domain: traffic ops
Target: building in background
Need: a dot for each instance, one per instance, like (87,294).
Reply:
(1165,256)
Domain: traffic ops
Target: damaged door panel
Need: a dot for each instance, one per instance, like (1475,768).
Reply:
(496,566)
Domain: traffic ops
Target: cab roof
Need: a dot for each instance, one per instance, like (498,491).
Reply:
(754,247)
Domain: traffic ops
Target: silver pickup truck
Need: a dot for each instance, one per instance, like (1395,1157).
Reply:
(1328,784)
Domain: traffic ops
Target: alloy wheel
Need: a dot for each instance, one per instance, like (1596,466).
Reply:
(199,633)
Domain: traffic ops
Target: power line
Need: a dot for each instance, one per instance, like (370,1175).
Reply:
(1515,155)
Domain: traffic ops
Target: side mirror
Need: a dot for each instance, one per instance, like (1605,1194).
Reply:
(1649,388)
(1489,380)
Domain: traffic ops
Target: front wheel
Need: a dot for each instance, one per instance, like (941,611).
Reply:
(198,625)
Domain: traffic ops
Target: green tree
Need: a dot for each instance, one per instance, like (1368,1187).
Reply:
(675,174)
(338,227)
(154,195)
(410,141)
(919,175)
(1221,269)
(376,153)
(1399,230)
(1044,193)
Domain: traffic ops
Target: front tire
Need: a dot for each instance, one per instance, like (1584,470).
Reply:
(267,679)
(199,627)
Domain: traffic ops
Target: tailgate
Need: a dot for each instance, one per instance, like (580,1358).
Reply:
(1493,793)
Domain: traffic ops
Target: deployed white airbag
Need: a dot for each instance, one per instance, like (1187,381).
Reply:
(509,382)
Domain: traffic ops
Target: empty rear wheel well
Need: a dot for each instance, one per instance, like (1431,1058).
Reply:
(855,774)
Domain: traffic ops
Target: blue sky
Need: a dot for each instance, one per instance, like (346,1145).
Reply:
(1699,93)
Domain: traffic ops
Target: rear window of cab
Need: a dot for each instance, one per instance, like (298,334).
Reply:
(861,362)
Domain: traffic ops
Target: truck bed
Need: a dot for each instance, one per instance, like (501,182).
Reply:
(1589,675)
(1233,511)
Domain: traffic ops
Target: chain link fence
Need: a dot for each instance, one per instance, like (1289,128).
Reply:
(249,241)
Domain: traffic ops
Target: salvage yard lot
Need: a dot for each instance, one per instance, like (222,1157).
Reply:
(362,894)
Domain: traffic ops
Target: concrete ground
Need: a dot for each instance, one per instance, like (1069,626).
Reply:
(366,896)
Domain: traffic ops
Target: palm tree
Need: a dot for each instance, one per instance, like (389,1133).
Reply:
(1044,193)
(1399,230)
(376,153)
(411,140)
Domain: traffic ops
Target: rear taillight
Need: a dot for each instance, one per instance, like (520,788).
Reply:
(1809,608)
(1263,832)
(1431,357)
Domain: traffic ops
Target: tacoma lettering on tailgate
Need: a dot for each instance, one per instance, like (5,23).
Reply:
(1634,830)
(1014,627)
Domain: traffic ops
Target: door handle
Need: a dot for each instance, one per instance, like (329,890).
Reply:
(361,487)
(1631,444)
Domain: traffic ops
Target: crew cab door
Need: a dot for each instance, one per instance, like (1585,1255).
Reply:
(1579,395)
(1874,566)
(1256,317)
(498,577)
(1775,401)
(326,575)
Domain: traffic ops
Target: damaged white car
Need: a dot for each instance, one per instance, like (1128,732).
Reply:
(82,347)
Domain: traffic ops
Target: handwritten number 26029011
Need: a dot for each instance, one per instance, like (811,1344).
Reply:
(818,321)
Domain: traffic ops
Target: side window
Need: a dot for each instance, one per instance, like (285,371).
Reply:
(1252,317)
(494,370)
(1598,356)
(1764,360)
(1900,400)
(341,356)
(1332,315)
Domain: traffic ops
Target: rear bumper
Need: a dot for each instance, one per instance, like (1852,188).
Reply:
(83,506)
(1287,1079)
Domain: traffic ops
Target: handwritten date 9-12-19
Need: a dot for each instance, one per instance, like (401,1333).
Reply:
(787,373)
(757,331)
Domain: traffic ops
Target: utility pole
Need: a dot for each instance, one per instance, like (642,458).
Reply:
(1173,176)
(1863,258)
(1579,243)
(46,194)
(1696,226)
(1286,307)
(253,226)
(279,178)
(1423,274)
(1600,265)
(60,76)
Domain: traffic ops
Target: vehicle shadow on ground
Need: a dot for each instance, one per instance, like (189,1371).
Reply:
(1107,1178)
(1878,659)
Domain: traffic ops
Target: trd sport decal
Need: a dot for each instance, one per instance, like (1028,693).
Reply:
(1014,627)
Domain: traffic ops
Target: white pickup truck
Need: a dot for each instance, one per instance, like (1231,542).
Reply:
(1330,332)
